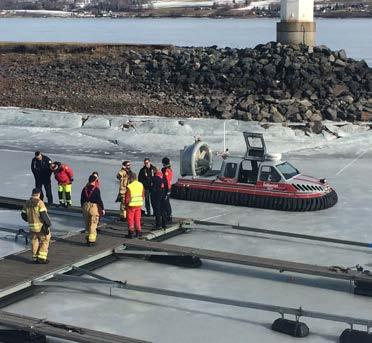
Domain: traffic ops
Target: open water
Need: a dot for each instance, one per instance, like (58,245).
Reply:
(353,35)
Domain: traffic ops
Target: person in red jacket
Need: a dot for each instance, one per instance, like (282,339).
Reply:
(167,176)
(133,201)
(64,176)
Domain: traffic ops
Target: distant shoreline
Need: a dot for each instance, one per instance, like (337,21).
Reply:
(172,13)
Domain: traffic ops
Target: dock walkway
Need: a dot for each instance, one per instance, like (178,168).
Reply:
(18,271)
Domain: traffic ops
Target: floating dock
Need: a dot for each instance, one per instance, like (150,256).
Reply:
(253,261)
(18,271)
(70,254)
(40,327)
(72,251)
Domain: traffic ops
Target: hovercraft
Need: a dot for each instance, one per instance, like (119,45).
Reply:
(256,180)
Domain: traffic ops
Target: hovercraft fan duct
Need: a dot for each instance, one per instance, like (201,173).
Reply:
(196,159)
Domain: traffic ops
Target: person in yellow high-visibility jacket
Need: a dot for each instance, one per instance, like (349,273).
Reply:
(133,202)
(35,213)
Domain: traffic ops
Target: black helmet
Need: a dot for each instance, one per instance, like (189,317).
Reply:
(36,191)
(54,166)
(92,178)
(165,161)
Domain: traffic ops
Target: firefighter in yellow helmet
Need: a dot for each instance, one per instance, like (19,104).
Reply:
(35,213)
(123,176)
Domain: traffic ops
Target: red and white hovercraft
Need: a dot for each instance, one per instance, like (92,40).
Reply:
(256,180)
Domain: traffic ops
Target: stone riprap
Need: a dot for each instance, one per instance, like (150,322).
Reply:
(270,83)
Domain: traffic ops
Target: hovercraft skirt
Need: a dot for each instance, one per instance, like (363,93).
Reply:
(251,200)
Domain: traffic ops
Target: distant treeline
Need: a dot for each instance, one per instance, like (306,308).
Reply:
(33,5)
(63,5)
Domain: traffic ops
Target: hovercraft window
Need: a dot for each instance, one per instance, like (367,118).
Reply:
(287,170)
(248,172)
(230,170)
(269,174)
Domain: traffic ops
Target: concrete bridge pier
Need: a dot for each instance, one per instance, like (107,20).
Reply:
(297,24)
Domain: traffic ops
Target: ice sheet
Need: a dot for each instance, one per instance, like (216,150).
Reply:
(93,135)
(344,161)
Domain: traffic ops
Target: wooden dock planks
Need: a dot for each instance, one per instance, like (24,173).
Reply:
(18,271)
(17,204)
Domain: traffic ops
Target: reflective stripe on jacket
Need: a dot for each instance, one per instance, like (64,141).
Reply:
(135,193)
(123,177)
(33,208)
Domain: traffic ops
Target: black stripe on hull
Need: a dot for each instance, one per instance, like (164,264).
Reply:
(260,201)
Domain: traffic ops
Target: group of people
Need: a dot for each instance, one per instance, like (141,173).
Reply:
(42,167)
(156,186)
(151,188)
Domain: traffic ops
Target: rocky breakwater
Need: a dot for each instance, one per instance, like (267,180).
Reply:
(270,83)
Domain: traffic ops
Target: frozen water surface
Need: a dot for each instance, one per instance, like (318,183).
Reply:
(102,143)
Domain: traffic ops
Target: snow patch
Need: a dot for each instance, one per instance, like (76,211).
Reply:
(39,118)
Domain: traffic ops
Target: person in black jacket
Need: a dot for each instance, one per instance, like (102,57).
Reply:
(92,206)
(145,176)
(40,167)
(158,194)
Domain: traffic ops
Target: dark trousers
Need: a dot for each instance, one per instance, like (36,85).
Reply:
(157,201)
(167,209)
(48,189)
(148,201)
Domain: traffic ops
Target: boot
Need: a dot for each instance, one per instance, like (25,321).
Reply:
(41,261)
(129,235)
(138,234)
